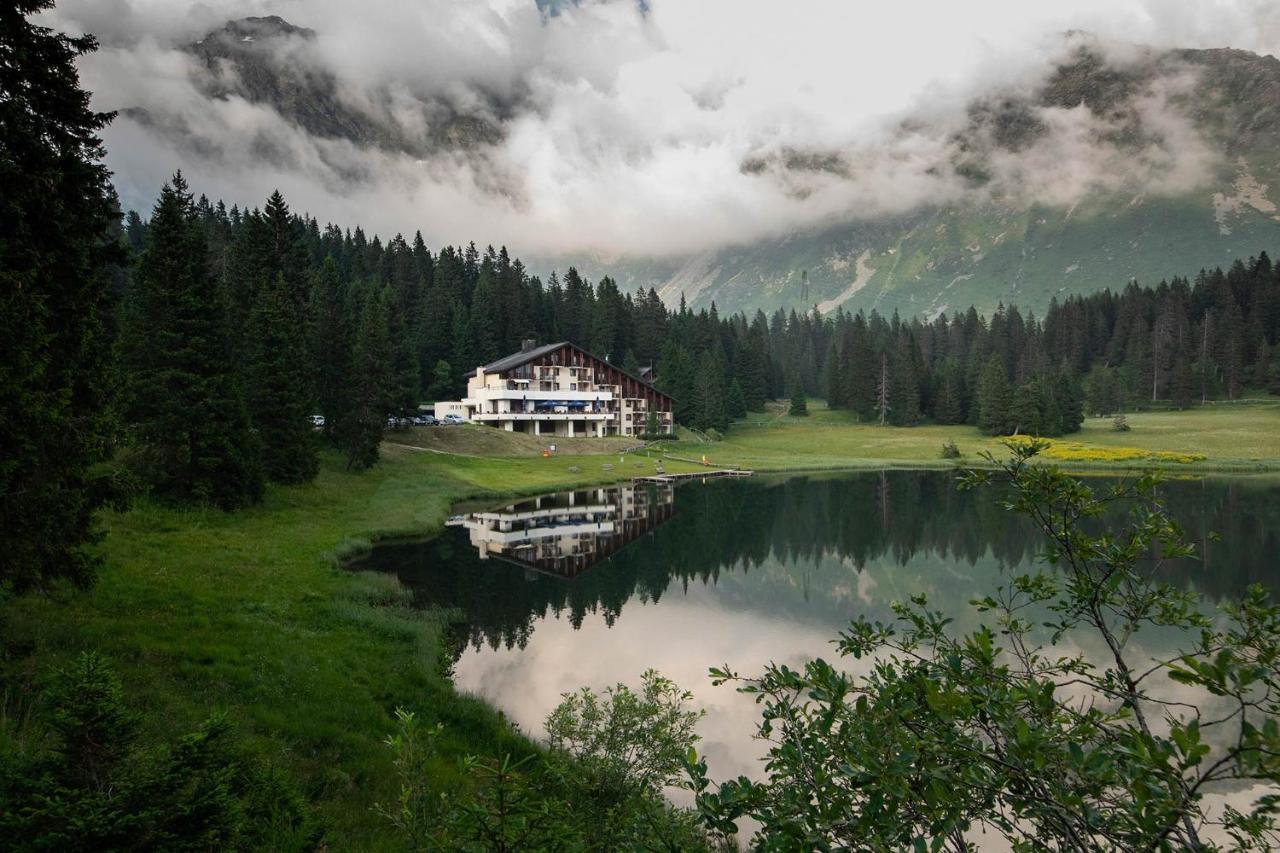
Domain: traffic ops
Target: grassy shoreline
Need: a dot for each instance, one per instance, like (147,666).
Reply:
(251,613)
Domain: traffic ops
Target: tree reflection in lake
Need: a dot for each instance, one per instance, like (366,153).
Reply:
(743,571)
(506,568)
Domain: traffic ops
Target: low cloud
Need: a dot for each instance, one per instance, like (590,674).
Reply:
(646,129)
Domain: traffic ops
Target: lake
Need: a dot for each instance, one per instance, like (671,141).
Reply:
(592,587)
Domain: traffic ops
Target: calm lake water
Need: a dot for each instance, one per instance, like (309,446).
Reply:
(594,587)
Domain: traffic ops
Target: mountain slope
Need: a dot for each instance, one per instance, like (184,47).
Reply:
(993,247)
(1116,162)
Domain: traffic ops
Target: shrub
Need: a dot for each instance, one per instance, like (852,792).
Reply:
(599,787)
(1120,423)
(715,434)
(949,449)
(98,788)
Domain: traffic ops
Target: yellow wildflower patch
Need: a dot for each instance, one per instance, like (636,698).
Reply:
(1074,451)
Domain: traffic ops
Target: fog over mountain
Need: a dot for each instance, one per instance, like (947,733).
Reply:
(718,147)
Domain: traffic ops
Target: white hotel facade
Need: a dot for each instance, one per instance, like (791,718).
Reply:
(560,390)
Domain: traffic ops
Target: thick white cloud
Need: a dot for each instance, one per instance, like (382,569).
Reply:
(629,130)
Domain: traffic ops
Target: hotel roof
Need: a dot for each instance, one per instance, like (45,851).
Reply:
(518,358)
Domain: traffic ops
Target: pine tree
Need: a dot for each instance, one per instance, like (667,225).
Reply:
(710,395)
(1103,391)
(949,408)
(799,407)
(184,400)
(1027,413)
(676,379)
(441,381)
(57,211)
(463,357)
(359,431)
(651,424)
(485,318)
(1182,381)
(994,398)
(736,401)
(836,382)
(277,393)
(884,390)
(904,397)
(861,371)
(630,364)
(402,393)
(1070,399)
(330,347)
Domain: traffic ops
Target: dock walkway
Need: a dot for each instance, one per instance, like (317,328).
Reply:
(692,475)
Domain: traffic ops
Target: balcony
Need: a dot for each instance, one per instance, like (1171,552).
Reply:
(489,417)
(556,392)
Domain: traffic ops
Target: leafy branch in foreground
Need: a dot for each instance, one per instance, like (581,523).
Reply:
(1049,726)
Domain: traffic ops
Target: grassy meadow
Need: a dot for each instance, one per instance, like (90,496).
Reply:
(250,612)
(1240,437)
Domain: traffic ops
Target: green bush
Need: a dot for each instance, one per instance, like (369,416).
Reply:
(949,449)
(92,784)
(598,788)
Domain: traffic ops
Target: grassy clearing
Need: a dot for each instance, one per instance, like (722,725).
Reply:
(249,612)
(475,440)
(1239,437)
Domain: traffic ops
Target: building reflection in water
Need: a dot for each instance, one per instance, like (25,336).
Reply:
(565,534)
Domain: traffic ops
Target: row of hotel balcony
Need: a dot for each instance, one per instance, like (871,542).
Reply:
(552,385)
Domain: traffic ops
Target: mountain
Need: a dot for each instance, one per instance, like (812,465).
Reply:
(997,247)
(1113,163)
(268,61)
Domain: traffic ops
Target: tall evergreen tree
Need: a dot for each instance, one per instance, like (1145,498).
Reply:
(57,214)
(330,348)
(735,401)
(1027,412)
(441,381)
(709,391)
(278,398)
(359,431)
(884,390)
(676,378)
(994,397)
(184,400)
(905,393)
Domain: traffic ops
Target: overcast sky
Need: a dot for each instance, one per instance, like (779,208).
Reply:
(633,125)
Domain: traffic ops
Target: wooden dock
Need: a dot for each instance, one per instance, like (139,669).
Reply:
(692,475)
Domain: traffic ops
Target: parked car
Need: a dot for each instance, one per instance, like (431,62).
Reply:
(317,421)
(424,420)
(453,419)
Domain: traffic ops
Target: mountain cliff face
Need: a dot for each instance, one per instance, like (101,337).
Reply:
(1215,198)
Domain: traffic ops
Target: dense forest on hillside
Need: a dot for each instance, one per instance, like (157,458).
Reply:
(372,328)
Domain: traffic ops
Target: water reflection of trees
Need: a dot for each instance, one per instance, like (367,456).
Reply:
(760,527)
